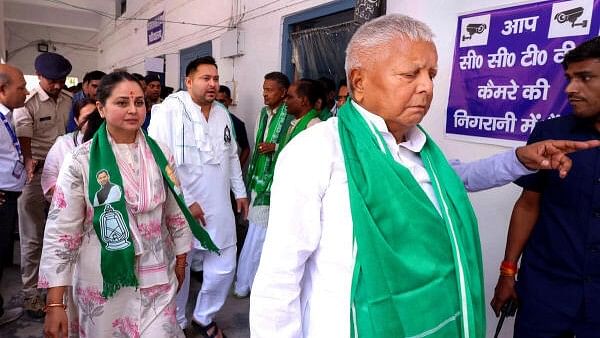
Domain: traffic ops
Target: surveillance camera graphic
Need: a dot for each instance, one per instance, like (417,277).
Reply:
(571,15)
(474,28)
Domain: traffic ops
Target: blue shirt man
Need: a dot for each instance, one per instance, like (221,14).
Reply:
(12,171)
(556,222)
(90,84)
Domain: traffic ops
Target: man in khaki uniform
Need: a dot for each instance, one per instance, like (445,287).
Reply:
(43,118)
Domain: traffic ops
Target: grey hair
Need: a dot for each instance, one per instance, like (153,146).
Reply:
(363,44)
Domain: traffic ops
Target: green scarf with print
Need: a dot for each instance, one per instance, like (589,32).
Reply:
(111,221)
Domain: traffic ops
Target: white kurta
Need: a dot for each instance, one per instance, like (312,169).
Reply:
(302,287)
(72,251)
(208,167)
(62,147)
(206,160)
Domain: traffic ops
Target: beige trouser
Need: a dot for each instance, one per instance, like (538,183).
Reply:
(32,219)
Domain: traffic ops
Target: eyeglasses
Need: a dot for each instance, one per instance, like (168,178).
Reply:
(340,97)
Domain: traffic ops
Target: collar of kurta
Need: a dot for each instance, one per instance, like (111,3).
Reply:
(415,137)
(4,110)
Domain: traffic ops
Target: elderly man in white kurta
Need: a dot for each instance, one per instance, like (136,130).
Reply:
(200,134)
(371,233)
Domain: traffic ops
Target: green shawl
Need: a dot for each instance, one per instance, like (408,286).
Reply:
(260,171)
(299,127)
(111,220)
(417,273)
(324,114)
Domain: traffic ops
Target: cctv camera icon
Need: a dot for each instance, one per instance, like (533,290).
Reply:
(474,28)
(571,15)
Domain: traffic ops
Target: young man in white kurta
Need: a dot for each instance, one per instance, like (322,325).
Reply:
(208,166)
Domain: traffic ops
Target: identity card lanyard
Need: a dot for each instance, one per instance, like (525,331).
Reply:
(12,134)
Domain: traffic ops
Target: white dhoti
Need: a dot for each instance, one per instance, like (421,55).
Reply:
(249,259)
(208,167)
(218,272)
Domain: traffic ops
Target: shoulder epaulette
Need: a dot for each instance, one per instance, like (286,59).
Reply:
(66,92)
(32,94)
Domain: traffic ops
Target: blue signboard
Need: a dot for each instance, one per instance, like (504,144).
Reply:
(156,30)
(507,73)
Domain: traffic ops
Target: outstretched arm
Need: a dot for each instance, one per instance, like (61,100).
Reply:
(507,166)
(552,154)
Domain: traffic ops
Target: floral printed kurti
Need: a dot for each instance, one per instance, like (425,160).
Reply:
(71,252)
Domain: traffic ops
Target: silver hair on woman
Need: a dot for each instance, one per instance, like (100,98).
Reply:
(363,46)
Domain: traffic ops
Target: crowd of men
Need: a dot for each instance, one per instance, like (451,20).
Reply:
(343,207)
(35,119)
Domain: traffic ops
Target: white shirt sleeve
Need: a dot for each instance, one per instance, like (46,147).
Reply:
(293,235)
(65,226)
(491,172)
(52,165)
(160,127)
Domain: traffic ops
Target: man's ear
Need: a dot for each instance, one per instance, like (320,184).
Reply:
(305,102)
(357,77)
(188,83)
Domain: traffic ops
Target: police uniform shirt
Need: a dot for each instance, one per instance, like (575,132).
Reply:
(8,156)
(43,120)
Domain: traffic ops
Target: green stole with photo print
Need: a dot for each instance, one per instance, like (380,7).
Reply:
(111,220)
(418,271)
(262,166)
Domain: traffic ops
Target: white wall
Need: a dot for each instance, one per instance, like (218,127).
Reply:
(123,44)
(493,207)
(80,50)
(2,35)
(263,43)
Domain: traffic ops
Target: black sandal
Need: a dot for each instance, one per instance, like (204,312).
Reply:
(204,329)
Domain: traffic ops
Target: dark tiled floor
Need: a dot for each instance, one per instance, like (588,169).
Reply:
(233,318)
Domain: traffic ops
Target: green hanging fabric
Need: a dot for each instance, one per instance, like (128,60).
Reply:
(417,273)
(299,127)
(325,114)
(262,166)
(111,221)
